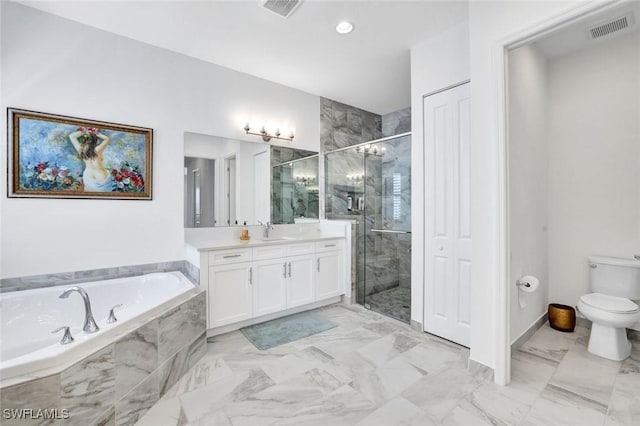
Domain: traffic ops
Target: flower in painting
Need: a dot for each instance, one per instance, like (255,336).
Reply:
(45,176)
(127,178)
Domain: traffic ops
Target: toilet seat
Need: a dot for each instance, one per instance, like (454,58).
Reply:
(607,303)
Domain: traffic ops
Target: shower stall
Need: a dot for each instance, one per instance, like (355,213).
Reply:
(371,184)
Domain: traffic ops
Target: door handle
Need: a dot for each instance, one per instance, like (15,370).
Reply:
(284,269)
(250,275)
(318,260)
(289,269)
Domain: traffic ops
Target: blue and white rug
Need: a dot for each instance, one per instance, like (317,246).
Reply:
(286,329)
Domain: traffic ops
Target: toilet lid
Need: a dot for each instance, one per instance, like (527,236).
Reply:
(609,303)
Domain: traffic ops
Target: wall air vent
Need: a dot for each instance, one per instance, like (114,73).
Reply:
(611,26)
(283,8)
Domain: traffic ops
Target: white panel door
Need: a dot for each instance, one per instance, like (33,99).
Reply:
(447,267)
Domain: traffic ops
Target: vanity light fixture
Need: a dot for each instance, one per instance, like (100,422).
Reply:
(344,27)
(266,136)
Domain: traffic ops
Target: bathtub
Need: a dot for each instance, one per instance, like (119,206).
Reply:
(28,349)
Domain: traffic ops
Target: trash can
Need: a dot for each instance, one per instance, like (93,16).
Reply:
(562,317)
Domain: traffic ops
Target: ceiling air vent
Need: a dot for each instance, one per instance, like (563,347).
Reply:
(283,8)
(611,26)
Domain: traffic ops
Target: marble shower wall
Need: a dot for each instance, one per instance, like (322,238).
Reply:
(117,384)
(343,125)
(396,122)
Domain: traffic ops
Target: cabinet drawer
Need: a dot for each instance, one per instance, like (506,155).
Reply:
(223,257)
(329,245)
(268,252)
(300,248)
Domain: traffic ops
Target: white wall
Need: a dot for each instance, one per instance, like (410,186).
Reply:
(435,64)
(491,24)
(55,65)
(528,164)
(594,161)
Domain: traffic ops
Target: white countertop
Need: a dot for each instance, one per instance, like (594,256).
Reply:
(206,244)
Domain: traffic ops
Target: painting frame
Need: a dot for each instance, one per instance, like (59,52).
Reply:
(58,156)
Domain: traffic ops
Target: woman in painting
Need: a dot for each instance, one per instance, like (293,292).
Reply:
(90,145)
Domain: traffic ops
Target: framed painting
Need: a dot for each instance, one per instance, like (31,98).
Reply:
(54,156)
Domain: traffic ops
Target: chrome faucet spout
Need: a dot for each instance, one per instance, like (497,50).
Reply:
(90,325)
(267,227)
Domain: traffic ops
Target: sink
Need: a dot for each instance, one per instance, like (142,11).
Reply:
(275,239)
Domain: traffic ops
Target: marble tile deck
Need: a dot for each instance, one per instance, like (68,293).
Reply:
(374,370)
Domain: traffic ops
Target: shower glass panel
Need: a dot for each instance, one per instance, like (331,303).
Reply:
(387,227)
(371,184)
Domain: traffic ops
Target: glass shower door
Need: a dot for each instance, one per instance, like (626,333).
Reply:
(387,227)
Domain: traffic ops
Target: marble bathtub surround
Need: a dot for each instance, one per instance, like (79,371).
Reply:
(372,370)
(67,278)
(120,382)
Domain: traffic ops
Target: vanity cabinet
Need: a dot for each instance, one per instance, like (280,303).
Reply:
(230,295)
(269,286)
(301,280)
(248,283)
(329,274)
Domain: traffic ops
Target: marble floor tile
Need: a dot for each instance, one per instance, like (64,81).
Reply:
(493,405)
(440,393)
(557,406)
(624,407)
(587,375)
(549,343)
(384,349)
(371,370)
(395,412)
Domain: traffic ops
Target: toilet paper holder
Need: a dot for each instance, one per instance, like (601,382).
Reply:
(521,283)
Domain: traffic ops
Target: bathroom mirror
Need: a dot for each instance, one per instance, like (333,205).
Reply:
(228,182)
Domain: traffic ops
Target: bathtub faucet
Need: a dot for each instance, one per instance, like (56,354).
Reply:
(90,325)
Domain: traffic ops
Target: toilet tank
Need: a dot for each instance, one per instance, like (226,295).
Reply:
(615,277)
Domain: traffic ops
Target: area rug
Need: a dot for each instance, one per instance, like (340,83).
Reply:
(286,329)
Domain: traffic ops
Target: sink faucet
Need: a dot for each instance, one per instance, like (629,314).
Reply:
(90,325)
(267,228)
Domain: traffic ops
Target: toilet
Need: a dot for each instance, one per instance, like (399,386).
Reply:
(615,284)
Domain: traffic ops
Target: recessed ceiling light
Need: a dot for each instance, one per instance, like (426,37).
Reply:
(344,27)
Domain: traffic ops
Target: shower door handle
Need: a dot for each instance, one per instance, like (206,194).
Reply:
(390,231)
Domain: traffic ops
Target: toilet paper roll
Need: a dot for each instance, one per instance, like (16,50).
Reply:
(528,283)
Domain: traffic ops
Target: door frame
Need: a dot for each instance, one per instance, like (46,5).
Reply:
(502,371)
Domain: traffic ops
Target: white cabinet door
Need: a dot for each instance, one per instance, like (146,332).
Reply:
(301,276)
(230,298)
(269,286)
(447,220)
(329,275)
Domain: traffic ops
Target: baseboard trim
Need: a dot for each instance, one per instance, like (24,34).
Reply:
(478,369)
(526,335)
(416,325)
